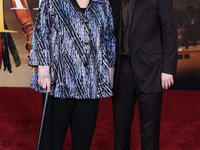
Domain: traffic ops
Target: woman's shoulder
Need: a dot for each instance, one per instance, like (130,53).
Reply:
(59,1)
(101,1)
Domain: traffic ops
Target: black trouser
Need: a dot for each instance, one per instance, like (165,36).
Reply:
(149,106)
(80,115)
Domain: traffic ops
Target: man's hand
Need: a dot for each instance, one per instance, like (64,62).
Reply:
(111,72)
(44,79)
(166,80)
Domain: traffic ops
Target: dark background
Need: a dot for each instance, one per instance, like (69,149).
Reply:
(188,24)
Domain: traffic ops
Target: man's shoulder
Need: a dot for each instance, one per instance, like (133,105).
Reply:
(115,4)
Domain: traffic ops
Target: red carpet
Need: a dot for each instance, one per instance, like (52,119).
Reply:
(21,110)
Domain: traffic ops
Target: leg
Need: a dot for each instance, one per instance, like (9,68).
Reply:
(57,120)
(123,108)
(149,112)
(83,123)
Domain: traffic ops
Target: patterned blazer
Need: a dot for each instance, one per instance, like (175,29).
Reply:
(78,47)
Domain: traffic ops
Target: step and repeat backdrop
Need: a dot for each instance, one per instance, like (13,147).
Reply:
(188,24)
(16,26)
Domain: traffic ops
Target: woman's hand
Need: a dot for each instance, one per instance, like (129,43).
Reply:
(111,72)
(44,79)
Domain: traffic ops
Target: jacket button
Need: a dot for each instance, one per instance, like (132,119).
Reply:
(86,64)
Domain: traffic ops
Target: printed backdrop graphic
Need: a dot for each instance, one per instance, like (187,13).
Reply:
(16,26)
(188,24)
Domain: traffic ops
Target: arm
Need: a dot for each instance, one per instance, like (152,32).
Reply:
(110,42)
(170,42)
(40,45)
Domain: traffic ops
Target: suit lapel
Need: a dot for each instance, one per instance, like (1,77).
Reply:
(139,7)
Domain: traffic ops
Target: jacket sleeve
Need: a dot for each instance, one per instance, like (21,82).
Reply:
(169,36)
(40,44)
(109,37)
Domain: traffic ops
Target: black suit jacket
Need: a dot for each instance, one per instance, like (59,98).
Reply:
(152,43)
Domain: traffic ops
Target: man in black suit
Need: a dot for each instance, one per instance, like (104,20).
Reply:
(146,62)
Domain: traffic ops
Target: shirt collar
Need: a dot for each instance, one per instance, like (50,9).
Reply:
(75,4)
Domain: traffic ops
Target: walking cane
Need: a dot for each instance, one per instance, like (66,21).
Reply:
(42,121)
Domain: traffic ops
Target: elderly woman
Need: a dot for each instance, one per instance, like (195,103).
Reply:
(73,50)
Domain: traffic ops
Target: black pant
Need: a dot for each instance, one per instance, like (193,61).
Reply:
(149,105)
(80,115)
